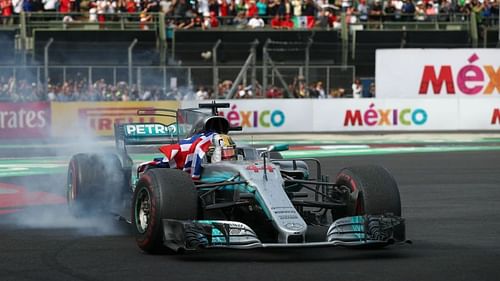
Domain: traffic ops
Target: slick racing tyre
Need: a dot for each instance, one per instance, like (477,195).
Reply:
(95,182)
(373,191)
(161,194)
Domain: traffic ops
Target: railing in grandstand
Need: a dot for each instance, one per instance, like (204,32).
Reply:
(82,21)
(137,21)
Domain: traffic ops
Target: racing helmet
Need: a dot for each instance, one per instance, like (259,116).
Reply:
(223,148)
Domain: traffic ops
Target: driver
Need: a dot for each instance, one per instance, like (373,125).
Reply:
(223,148)
(188,153)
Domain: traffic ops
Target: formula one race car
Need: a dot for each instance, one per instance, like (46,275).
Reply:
(255,200)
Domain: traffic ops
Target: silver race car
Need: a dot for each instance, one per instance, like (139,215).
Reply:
(255,200)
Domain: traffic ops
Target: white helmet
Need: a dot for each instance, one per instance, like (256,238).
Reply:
(223,148)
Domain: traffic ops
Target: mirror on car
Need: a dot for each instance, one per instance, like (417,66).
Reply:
(277,147)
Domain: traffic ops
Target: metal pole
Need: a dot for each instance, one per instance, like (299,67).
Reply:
(173,45)
(498,19)
(23,37)
(14,75)
(280,78)
(265,57)
(353,44)
(38,76)
(254,69)
(90,76)
(162,37)
(344,34)
(474,29)
(130,61)
(22,30)
(215,69)
(308,47)
(139,80)
(46,63)
(164,79)
(239,78)
(327,80)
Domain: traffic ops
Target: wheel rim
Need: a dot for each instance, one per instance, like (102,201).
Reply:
(71,188)
(358,207)
(143,210)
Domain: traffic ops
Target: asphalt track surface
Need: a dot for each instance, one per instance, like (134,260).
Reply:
(450,201)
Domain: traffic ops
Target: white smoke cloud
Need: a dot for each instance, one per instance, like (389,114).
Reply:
(80,140)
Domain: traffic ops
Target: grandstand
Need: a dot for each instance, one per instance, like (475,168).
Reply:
(155,52)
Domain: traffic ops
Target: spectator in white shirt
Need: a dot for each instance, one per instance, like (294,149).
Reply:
(256,22)
(357,89)
(49,5)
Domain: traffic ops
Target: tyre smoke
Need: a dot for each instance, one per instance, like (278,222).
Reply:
(39,200)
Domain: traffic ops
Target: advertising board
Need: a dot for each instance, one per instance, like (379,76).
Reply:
(344,115)
(25,120)
(266,116)
(437,73)
(480,114)
(70,120)
(98,119)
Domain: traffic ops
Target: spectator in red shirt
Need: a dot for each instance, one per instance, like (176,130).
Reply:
(274,93)
(130,6)
(251,8)
(214,22)
(276,22)
(223,8)
(287,23)
(64,6)
(6,6)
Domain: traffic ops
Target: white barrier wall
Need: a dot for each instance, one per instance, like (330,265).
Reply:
(482,114)
(265,115)
(348,115)
(437,73)
(384,115)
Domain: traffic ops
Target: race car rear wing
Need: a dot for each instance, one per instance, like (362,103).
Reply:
(148,133)
(145,133)
(187,122)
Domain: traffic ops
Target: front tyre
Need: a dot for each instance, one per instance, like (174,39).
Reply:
(161,194)
(373,191)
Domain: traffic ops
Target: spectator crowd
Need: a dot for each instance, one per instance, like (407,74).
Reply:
(206,14)
(79,89)
(284,14)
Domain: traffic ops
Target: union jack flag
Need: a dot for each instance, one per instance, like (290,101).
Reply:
(188,153)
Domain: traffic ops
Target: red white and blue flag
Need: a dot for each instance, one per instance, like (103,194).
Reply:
(188,153)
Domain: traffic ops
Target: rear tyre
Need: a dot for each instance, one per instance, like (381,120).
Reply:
(95,183)
(161,194)
(377,191)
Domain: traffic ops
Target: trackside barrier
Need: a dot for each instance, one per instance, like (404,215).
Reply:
(438,73)
(362,115)
(25,120)
(69,120)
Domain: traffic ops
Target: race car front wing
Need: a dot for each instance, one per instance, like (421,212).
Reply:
(355,231)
